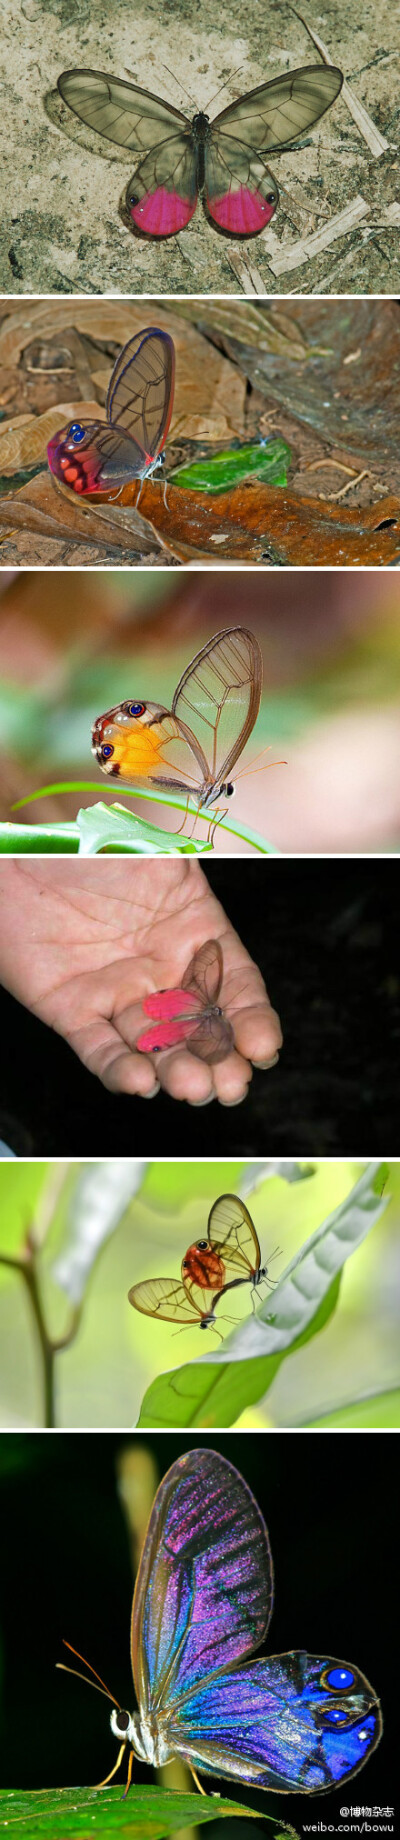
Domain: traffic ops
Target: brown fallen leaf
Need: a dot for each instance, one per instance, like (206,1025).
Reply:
(256,523)
(23,440)
(207,384)
(49,510)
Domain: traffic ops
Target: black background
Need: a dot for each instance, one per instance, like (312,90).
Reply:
(325,934)
(65,1572)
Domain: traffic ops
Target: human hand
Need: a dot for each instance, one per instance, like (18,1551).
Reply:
(82,943)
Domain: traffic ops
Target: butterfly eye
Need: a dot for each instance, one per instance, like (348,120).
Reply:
(106,752)
(134,709)
(338,1680)
(122,1720)
(202,1245)
(76,432)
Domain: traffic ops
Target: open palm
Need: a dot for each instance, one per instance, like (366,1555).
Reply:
(82,943)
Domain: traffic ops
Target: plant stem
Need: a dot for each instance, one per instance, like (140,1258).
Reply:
(26,1264)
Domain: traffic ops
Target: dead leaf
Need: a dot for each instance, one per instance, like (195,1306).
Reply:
(256,523)
(23,440)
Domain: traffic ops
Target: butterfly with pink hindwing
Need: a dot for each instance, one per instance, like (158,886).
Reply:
(222,161)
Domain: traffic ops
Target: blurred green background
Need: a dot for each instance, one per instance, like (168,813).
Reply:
(102,1376)
(72,645)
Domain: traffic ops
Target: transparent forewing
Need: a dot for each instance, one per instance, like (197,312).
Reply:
(141,389)
(277,112)
(162,195)
(205,971)
(240,193)
(212,1039)
(123,113)
(218,696)
(279,1724)
(149,748)
(230,1229)
(169,1299)
(203,1594)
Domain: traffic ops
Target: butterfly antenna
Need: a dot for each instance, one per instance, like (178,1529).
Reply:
(234,73)
(244,771)
(100,1687)
(181,85)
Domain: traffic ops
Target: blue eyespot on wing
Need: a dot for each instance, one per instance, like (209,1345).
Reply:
(276,1724)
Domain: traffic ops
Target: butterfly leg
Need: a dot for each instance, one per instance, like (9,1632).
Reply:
(196,1779)
(129,1776)
(182,825)
(107,1779)
(214,822)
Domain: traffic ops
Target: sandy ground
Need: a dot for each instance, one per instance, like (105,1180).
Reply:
(64,230)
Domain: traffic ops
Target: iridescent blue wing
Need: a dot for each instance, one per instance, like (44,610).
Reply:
(203,1594)
(293,1722)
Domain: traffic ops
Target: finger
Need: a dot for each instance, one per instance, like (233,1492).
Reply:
(231,1079)
(99,1046)
(258,1033)
(184,1077)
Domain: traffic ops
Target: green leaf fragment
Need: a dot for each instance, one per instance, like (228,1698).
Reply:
(147,1814)
(268,460)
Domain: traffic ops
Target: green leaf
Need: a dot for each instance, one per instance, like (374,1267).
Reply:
(257,1173)
(37,839)
(147,1814)
(99,1200)
(217,1388)
(379,1411)
(102,827)
(268,460)
(177,842)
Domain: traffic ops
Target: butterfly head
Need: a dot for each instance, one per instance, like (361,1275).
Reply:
(126,739)
(144,1736)
(73,458)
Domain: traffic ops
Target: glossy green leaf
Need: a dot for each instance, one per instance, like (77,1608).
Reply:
(379,1411)
(268,460)
(217,1388)
(74,1814)
(143,838)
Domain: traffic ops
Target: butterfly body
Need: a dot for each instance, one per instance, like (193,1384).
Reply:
(204,1266)
(104,457)
(201,1609)
(193,746)
(222,161)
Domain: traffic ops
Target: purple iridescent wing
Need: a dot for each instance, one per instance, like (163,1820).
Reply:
(294,1722)
(203,1594)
